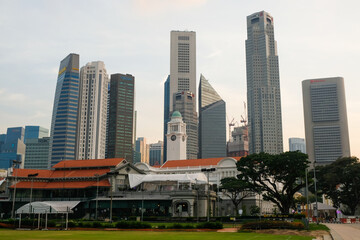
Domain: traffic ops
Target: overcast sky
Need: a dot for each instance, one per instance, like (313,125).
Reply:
(315,39)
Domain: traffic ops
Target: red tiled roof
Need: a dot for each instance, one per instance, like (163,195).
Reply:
(194,162)
(62,185)
(61,173)
(109,162)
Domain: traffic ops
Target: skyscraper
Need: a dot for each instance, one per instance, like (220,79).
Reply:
(35,132)
(156,153)
(143,148)
(263,86)
(326,126)
(183,82)
(92,114)
(297,144)
(166,114)
(13,147)
(121,117)
(212,122)
(64,117)
(37,153)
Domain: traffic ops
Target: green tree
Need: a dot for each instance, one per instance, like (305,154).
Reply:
(340,181)
(236,190)
(276,177)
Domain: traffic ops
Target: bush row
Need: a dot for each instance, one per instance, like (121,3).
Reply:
(204,225)
(273,225)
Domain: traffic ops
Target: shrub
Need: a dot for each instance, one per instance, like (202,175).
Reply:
(299,216)
(71,224)
(210,225)
(51,223)
(273,225)
(161,227)
(87,225)
(132,225)
(96,225)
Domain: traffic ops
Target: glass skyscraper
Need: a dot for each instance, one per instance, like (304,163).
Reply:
(166,114)
(212,122)
(263,86)
(64,117)
(121,117)
(34,132)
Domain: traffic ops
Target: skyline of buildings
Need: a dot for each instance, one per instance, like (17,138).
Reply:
(65,111)
(212,121)
(263,85)
(325,118)
(297,144)
(185,100)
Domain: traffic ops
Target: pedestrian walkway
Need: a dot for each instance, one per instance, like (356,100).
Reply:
(344,231)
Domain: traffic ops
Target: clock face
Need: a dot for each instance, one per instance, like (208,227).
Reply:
(173,138)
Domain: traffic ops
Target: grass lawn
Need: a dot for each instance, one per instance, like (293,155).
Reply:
(137,235)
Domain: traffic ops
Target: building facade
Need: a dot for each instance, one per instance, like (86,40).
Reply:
(297,144)
(263,86)
(143,148)
(238,146)
(92,114)
(156,154)
(32,132)
(325,116)
(180,90)
(37,153)
(64,117)
(212,122)
(166,112)
(12,147)
(121,117)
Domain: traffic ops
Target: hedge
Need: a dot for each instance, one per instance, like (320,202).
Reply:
(273,225)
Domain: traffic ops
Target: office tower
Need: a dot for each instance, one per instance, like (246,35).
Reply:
(238,145)
(156,152)
(182,84)
(92,113)
(326,127)
(37,153)
(212,122)
(176,137)
(143,148)
(32,132)
(64,117)
(13,147)
(297,144)
(121,117)
(263,86)
(184,102)
(166,114)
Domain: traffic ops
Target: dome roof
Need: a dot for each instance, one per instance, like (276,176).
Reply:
(176,114)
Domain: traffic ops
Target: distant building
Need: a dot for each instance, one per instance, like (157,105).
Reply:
(92,114)
(325,116)
(263,85)
(143,148)
(13,148)
(238,146)
(176,138)
(212,122)
(180,88)
(297,144)
(33,132)
(65,111)
(121,117)
(156,154)
(37,153)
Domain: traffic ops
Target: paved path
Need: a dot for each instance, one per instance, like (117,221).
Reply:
(344,231)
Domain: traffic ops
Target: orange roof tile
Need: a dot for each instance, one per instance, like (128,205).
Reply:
(61,173)
(194,162)
(109,162)
(25,172)
(62,185)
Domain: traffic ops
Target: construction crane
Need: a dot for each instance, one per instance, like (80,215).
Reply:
(231,124)
(243,119)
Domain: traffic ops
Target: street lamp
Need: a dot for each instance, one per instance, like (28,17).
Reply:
(208,170)
(14,194)
(32,176)
(111,174)
(97,193)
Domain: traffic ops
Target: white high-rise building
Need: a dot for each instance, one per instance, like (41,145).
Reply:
(263,86)
(182,86)
(92,113)
(176,138)
(326,126)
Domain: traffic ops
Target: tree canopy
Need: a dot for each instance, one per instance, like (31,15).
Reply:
(236,190)
(340,181)
(276,177)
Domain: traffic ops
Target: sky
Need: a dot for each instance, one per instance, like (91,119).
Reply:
(315,39)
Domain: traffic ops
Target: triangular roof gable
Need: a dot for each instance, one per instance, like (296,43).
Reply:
(130,165)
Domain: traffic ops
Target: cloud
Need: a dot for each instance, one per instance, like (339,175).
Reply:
(151,8)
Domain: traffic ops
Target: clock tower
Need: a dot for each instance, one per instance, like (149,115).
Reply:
(176,138)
